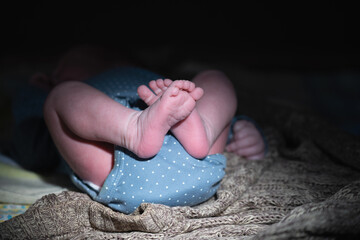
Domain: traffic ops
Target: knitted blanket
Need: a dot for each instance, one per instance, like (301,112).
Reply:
(308,186)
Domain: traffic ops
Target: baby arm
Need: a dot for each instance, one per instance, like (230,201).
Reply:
(247,141)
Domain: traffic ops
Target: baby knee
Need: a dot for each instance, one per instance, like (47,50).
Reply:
(56,95)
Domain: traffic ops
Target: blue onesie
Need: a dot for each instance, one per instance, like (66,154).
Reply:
(172,177)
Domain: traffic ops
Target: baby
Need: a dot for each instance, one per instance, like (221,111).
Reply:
(169,152)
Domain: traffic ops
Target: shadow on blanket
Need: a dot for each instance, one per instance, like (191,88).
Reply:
(308,186)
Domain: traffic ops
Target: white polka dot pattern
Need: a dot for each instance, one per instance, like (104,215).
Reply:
(168,178)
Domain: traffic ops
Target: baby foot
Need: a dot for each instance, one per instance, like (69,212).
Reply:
(147,129)
(159,86)
(193,125)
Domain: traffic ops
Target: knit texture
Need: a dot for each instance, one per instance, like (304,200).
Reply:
(308,186)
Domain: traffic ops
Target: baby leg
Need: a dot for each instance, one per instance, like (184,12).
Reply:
(66,115)
(84,123)
(205,130)
(217,107)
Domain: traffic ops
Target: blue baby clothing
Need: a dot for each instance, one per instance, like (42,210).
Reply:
(172,177)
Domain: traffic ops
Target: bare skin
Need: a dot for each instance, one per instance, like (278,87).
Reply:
(208,124)
(198,144)
(82,133)
(247,140)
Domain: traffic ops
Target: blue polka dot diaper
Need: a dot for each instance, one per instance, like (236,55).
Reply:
(172,177)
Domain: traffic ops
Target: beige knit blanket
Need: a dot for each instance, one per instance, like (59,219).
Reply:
(307,187)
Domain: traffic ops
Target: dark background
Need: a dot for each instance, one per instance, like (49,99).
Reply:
(301,29)
(295,53)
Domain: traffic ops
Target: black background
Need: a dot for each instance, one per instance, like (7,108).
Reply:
(294,28)
(301,37)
